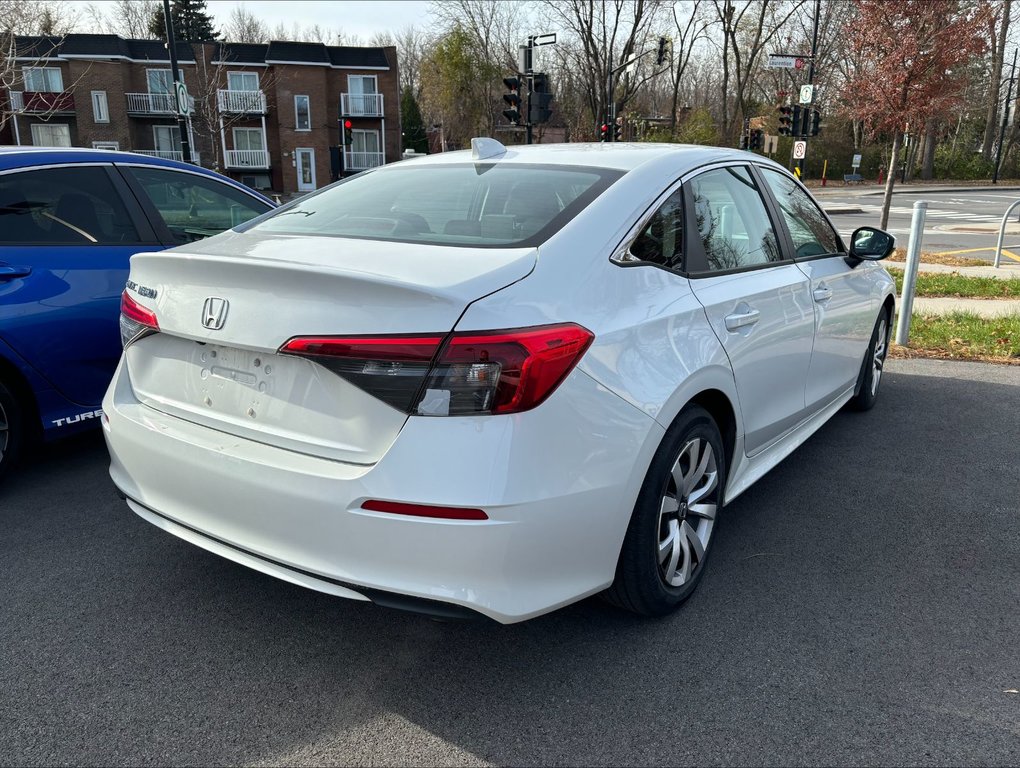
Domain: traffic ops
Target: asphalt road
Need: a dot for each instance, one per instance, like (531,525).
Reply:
(953,221)
(862,607)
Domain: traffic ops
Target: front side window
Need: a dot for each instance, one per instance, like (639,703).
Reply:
(302,113)
(732,220)
(471,205)
(242,81)
(63,206)
(51,135)
(811,233)
(661,240)
(45,79)
(194,206)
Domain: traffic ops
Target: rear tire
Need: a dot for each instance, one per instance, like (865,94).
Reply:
(12,430)
(670,533)
(873,364)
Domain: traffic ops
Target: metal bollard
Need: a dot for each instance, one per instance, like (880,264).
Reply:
(1002,233)
(910,276)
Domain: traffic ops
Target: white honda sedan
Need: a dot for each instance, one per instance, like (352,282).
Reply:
(494,381)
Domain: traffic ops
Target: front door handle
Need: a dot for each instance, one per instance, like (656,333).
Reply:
(739,320)
(9,272)
(822,293)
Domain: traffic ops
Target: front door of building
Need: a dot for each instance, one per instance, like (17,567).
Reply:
(305,160)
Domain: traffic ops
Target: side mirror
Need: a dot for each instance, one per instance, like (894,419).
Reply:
(870,244)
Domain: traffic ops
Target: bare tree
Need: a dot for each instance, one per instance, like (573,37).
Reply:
(689,31)
(37,17)
(243,26)
(997,43)
(127,18)
(411,43)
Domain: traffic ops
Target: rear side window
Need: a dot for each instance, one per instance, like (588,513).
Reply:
(193,206)
(461,205)
(63,206)
(811,233)
(734,225)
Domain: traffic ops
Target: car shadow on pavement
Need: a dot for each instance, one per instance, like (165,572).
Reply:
(860,607)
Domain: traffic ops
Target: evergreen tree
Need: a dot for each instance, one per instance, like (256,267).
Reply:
(192,22)
(413,125)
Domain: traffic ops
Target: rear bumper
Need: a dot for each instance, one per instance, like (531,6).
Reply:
(558,484)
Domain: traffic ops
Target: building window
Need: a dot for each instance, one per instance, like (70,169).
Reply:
(362,96)
(242,81)
(100,107)
(114,145)
(248,139)
(44,79)
(160,81)
(302,113)
(51,135)
(166,138)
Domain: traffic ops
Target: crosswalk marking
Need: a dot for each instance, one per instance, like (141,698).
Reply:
(935,213)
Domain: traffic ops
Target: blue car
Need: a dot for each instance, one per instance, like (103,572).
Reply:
(70,219)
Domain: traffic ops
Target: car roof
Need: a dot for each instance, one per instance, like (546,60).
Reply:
(25,157)
(622,156)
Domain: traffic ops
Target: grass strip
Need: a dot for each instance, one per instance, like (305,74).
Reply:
(956,285)
(967,336)
(927,257)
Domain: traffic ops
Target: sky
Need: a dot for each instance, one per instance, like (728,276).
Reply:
(355,17)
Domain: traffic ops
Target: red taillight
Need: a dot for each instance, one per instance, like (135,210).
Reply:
(494,372)
(423,510)
(135,320)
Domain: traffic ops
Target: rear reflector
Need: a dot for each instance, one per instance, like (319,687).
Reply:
(471,373)
(135,320)
(423,510)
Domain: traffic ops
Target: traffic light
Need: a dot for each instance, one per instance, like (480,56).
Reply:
(798,124)
(785,121)
(757,140)
(538,107)
(348,133)
(604,131)
(618,129)
(816,122)
(660,57)
(513,99)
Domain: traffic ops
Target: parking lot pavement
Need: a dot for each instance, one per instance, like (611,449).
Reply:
(861,607)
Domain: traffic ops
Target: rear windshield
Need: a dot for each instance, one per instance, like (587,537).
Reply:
(465,204)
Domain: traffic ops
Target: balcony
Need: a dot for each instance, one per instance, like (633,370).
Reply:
(361,161)
(42,102)
(154,103)
(361,104)
(241,102)
(247,158)
(169,155)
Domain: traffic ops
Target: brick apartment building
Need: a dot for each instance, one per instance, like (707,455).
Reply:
(265,114)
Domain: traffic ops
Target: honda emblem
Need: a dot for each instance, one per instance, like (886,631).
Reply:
(214,313)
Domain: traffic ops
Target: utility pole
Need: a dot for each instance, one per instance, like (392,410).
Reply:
(171,45)
(1005,120)
(805,124)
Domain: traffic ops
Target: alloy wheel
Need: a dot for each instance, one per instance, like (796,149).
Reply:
(881,344)
(687,512)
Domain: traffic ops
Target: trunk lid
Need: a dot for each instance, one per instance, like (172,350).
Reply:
(278,287)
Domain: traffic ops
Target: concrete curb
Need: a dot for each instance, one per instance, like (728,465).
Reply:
(843,210)
(988,308)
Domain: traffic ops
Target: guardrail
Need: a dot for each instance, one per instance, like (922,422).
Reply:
(168,155)
(241,101)
(361,161)
(362,104)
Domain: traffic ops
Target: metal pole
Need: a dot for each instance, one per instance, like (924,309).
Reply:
(1002,233)
(171,45)
(1005,120)
(530,77)
(910,277)
(805,125)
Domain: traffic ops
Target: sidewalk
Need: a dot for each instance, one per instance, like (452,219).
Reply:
(980,307)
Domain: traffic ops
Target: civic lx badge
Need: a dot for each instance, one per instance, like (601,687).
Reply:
(214,313)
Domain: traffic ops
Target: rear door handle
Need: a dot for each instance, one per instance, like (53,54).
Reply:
(9,272)
(740,320)
(822,293)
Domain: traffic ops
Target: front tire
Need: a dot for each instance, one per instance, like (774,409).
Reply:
(874,364)
(12,433)
(670,533)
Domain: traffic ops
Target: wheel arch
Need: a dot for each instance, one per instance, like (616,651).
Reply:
(718,405)
(15,381)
